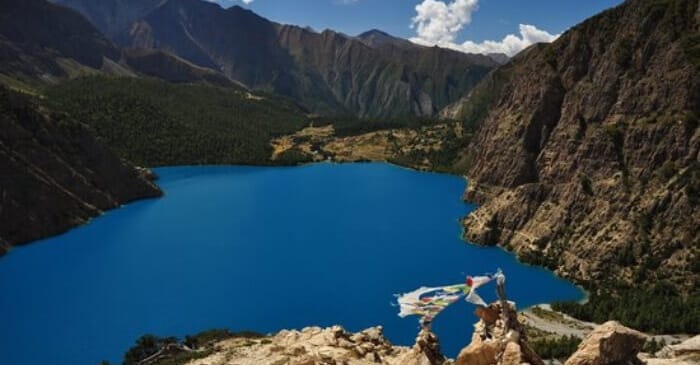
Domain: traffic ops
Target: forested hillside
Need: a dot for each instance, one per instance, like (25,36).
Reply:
(155,123)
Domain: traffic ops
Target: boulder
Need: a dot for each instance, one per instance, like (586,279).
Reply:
(684,353)
(608,344)
(478,353)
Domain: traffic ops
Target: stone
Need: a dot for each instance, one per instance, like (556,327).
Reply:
(684,353)
(608,344)
(488,315)
(495,344)
(478,353)
(512,355)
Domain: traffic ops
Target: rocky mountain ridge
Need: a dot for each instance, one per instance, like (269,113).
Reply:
(43,40)
(44,43)
(111,16)
(328,72)
(587,158)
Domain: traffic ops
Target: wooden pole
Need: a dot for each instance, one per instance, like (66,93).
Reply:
(501,291)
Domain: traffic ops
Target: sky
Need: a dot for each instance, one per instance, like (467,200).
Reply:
(478,26)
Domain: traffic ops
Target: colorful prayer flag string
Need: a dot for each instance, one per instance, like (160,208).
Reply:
(428,302)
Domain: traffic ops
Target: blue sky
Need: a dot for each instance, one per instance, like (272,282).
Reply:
(448,23)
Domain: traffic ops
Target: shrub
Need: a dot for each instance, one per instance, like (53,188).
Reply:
(558,348)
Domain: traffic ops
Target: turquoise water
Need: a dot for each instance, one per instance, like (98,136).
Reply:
(252,248)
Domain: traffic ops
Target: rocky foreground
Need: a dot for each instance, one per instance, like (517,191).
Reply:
(497,340)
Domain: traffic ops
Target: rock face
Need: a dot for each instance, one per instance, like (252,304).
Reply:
(684,353)
(373,74)
(426,351)
(587,159)
(55,175)
(498,339)
(610,343)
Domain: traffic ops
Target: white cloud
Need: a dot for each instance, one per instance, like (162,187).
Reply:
(439,22)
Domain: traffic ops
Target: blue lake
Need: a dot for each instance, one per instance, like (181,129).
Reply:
(253,248)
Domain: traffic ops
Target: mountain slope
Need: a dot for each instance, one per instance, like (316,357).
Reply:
(40,39)
(168,67)
(55,174)
(376,38)
(327,72)
(156,123)
(43,42)
(587,155)
(111,16)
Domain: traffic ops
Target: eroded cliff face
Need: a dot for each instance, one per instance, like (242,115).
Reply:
(588,158)
(55,175)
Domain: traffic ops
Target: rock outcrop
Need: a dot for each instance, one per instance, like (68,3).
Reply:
(587,158)
(314,345)
(684,353)
(499,339)
(492,344)
(610,343)
(55,174)
(426,351)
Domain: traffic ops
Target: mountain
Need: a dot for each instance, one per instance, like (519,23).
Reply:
(327,72)
(168,67)
(42,42)
(376,38)
(55,174)
(586,156)
(39,39)
(501,58)
(112,16)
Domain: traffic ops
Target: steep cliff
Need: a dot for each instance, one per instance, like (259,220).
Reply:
(54,174)
(587,155)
